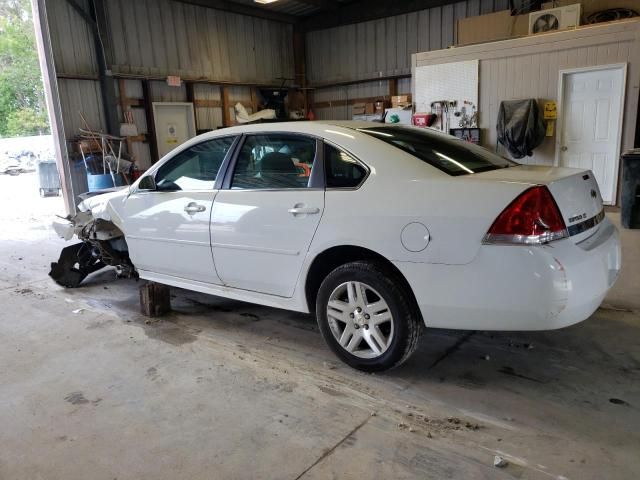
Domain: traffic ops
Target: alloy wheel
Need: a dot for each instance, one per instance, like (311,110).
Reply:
(360,320)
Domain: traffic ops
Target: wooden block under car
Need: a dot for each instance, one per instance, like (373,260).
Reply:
(155,299)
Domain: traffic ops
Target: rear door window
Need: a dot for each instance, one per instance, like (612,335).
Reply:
(275,161)
(341,169)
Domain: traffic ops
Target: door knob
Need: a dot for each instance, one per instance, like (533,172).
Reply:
(300,210)
(563,148)
(193,207)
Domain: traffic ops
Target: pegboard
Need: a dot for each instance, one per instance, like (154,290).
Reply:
(446,81)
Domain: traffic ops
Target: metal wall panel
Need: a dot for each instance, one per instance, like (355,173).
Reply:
(208,118)
(166,37)
(71,39)
(376,89)
(404,86)
(383,47)
(161,92)
(80,97)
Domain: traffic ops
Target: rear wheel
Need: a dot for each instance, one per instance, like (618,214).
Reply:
(366,316)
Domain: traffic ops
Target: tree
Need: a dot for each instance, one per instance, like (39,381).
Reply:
(22,106)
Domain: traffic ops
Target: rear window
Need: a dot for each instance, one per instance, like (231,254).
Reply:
(446,153)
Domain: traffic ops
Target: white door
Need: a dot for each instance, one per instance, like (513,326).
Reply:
(263,224)
(174,124)
(168,228)
(591,127)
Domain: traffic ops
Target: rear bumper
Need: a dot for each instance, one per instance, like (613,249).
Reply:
(519,287)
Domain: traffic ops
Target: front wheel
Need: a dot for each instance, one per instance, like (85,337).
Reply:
(366,316)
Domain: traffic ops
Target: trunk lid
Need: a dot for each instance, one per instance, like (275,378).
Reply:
(575,191)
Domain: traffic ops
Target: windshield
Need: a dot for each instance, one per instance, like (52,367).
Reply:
(447,153)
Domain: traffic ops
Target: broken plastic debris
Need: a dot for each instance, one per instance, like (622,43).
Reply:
(499,462)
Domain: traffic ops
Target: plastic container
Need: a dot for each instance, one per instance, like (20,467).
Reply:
(630,196)
(102,181)
(48,178)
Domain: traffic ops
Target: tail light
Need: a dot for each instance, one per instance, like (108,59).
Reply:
(531,219)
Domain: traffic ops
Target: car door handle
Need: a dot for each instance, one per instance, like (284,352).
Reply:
(193,207)
(303,210)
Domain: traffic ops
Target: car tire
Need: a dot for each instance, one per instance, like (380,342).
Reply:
(364,339)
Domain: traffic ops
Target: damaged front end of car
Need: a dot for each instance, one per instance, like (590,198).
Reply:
(102,244)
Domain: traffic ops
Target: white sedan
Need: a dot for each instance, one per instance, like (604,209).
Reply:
(379,229)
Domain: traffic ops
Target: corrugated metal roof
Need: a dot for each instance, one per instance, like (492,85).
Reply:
(289,7)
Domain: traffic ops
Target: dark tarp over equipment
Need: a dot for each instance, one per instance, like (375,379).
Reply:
(520,127)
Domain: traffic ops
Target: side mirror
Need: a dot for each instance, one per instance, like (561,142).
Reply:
(147,183)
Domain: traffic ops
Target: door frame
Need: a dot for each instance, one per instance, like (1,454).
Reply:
(191,118)
(561,81)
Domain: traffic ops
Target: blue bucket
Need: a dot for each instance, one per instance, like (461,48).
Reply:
(100,182)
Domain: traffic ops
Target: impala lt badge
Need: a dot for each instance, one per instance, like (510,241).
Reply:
(575,218)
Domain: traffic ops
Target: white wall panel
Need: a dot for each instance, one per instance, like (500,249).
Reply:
(529,68)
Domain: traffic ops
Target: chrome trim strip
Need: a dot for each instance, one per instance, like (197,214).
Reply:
(168,240)
(586,225)
(251,248)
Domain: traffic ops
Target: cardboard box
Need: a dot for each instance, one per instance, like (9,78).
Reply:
(491,27)
(400,100)
(370,108)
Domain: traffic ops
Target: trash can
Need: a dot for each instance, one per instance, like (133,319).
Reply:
(102,181)
(630,198)
(48,178)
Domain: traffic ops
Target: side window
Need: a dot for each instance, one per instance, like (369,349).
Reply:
(276,160)
(342,170)
(195,168)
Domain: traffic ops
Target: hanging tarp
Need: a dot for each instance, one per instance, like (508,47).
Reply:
(520,127)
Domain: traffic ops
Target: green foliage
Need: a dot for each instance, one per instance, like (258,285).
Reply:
(22,106)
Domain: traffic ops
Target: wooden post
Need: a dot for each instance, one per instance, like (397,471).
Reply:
(155,299)
(254,99)
(393,88)
(191,98)
(147,101)
(124,106)
(226,116)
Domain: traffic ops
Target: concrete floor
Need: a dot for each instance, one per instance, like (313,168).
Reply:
(222,389)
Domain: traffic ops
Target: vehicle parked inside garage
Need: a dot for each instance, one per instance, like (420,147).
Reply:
(379,229)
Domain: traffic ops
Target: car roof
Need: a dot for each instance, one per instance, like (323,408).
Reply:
(315,126)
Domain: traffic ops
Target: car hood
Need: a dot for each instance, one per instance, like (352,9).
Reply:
(102,206)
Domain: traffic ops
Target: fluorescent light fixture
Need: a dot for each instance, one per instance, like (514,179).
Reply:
(265,1)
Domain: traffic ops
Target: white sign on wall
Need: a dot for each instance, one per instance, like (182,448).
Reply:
(454,82)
